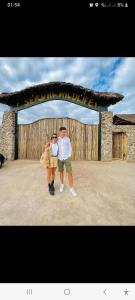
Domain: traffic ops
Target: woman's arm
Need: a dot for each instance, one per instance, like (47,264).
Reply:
(45,158)
(47,145)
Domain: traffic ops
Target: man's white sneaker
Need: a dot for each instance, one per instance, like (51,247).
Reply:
(73,191)
(62,188)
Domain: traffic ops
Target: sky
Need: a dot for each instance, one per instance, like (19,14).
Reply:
(115,74)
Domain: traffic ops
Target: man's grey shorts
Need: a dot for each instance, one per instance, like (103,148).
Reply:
(67,163)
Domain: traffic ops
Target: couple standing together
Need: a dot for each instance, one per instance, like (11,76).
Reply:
(58,153)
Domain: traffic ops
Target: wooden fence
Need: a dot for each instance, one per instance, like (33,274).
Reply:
(32,137)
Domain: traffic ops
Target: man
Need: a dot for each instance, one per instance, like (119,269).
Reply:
(64,158)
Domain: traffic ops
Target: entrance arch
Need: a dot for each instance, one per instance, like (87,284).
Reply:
(36,94)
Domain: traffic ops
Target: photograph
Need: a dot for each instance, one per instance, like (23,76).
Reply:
(67,148)
(67,141)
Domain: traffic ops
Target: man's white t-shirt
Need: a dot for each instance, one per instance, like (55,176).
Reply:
(65,148)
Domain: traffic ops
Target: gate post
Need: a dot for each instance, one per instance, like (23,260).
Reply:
(106,136)
(99,137)
(9,132)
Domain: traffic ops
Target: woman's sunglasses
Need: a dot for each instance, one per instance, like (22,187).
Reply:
(54,137)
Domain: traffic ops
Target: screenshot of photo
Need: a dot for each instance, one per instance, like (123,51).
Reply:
(67,150)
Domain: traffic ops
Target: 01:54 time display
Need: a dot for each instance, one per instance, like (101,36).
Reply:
(13,4)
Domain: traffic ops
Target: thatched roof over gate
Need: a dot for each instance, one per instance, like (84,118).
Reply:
(124,119)
(61,89)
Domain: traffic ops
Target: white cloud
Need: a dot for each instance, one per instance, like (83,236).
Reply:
(124,82)
(124,79)
(9,69)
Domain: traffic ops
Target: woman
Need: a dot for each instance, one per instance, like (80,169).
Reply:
(49,160)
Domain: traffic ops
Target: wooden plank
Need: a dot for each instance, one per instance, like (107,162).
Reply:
(125,145)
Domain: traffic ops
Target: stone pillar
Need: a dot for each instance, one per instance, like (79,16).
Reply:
(9,124)
(106,136)
(131,145)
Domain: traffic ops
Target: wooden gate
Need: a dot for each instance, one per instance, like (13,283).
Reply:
(32,137)
(119,145)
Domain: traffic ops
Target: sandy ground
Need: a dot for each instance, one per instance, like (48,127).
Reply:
(106,195)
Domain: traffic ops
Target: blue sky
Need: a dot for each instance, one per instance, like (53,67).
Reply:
(116,74)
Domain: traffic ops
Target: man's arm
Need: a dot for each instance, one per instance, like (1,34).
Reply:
(70,148)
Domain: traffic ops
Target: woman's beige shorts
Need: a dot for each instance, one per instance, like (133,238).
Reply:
(53,162)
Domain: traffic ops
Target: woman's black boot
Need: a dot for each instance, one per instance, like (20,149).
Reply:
(52,189)
(49,186)
(52,183)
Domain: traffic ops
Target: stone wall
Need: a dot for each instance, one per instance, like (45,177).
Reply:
(130,131)
(7,135)
(106,136)
(1,143)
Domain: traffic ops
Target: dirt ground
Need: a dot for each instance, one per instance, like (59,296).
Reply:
(106,195)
